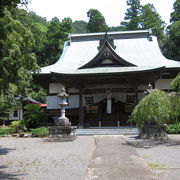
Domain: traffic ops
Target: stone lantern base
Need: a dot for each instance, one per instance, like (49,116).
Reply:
(61,134)
(62,121)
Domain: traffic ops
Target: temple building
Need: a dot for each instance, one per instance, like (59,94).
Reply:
(105,75)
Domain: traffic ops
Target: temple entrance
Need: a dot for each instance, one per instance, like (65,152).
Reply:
(97,115)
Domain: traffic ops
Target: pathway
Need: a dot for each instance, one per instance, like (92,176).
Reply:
(114,160)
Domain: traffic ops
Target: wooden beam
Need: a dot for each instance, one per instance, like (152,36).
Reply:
(136,95)
(81,109)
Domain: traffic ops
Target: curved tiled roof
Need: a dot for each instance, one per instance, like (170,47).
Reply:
(135,47)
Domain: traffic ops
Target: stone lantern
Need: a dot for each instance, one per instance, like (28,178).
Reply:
(149,89)
(62,131)
(63,120)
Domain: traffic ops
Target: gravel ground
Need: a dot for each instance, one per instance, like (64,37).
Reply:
(165,157)
(33,159)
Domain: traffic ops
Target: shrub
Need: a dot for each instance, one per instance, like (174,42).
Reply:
(173,128)
(32,115)
(150,115)
(40,132)
(17,125)
(175,84)
(175,107)
(154,107)
(6,131)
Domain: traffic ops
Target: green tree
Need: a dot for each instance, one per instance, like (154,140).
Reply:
(151,19)
(174,40)
(38,27)
(18,60)
(151,113)
(96,22)
(79,27)
(56,35)
(38,93)
(175,84)
(7,102)
(10,4)
(171,47)
(17,51)
(132,16)
(175,98)
(175,16)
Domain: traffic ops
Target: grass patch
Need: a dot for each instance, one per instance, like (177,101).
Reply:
(40,132)
(6,130)
(154,165)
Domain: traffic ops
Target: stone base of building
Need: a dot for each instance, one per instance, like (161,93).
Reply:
(61,134)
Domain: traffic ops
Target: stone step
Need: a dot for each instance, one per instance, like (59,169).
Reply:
(108,131)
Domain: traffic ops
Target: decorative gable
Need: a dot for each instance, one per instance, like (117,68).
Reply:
(106,39)
(106,56)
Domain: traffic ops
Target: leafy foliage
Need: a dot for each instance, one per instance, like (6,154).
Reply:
(149,18)
(17,58)
(6,130)
(154,107)
(175,99)
(38,27)
(7,102)
(171,47)
(175,107)
(10,4)
(132,16)
(143,17)
(17,126)
(79,27)
(96,22)
(173,128)
(38,93)
(175,84)
(175,16)
(56,35)
(32,115)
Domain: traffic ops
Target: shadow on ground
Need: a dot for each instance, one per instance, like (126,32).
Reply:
(8,176)
(4,151)
(3,173)
(136,142)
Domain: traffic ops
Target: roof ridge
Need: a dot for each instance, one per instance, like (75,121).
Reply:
(109,33)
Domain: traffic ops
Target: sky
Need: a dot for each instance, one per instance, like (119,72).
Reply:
(112,10)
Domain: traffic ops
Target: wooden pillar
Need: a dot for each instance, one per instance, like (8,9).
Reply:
(81,109)
(109,101)
(136,95)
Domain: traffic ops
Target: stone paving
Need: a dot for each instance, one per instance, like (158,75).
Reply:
(114,160)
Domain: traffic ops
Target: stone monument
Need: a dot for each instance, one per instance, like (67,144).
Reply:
(62,131)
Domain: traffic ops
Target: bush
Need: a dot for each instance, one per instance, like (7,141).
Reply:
(150,115)
(17,125)
(154,108)
(6,131)
(173,128)
(32,115)
(40,132)
(175,107)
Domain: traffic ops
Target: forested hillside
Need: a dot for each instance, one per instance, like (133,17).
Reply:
(29,41)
